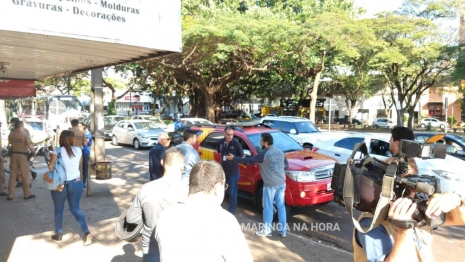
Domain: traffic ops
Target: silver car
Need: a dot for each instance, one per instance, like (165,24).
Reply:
(139,133)
(384,123)
(158,122)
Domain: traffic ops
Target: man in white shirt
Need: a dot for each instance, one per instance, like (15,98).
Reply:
(200,229)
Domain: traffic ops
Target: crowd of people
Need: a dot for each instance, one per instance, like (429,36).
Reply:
(184,186)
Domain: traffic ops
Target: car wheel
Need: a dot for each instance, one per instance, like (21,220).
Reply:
(375,126)
(423,125)
(259,204)
(114,141)
(136,144)
(442,126)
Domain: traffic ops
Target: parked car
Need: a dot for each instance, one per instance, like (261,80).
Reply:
(160,123)
(195,121)
(139,133)
(108,125)
(300,129)
(117,118)
(455,143)
(433,122)
(41,131)
(446,170)
(308,177)
(345,120)
(383,123)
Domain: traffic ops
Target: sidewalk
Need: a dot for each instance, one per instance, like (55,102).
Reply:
(26,227)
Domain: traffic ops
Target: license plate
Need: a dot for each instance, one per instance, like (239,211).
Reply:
(328,187)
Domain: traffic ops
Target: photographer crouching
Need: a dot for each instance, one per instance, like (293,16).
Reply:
(388,242)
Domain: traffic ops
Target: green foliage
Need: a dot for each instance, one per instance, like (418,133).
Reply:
(451,120)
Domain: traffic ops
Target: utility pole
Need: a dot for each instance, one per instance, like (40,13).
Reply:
(96,114)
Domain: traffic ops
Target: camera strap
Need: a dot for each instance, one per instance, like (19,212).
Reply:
(382,207)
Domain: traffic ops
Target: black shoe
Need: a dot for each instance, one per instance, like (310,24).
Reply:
(87,239)
(30,196)
(57,237)
(19,184)
(34,175)
(3,194)
(9,198)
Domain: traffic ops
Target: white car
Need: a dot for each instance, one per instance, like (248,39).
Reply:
(425,122)
(139,133)
(383,123)
(158,122)
(446,170)
(302,130)
(195,121)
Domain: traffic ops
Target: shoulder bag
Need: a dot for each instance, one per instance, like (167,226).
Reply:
(55,179)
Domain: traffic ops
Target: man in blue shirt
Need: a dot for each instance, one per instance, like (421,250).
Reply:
(191,156)
(227,146)
(85,152)
(156,155)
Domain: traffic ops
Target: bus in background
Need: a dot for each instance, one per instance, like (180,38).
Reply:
(59,110)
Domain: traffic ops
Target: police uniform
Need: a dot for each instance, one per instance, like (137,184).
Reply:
(27,128)
(2,169)
(19,163)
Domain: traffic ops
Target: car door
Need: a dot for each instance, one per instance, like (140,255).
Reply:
(118,131)
(454,149)
(208,149)
(343,148)
(434,122)
(130,132)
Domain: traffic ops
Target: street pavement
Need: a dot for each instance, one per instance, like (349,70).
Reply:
(27,225)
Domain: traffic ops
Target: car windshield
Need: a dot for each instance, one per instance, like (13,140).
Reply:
(280,140)
(306,127)
(460,138)
(36,125)
(108,121)
(156,120)
(145,125)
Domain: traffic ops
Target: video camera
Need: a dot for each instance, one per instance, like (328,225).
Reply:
(368,173)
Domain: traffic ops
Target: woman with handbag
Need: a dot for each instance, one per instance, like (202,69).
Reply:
(72,188)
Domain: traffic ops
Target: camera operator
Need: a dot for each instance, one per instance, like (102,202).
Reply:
(390,243)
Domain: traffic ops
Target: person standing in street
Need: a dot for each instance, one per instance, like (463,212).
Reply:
(2,168)
(19,163)
(199,229)
(156,196)
(191,156)
(80,140)
(273,164)
(229,146)
(27,129)
(72,190)
(156,155)
(85,153)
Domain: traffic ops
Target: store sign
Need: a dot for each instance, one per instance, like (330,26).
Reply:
(10,89)
(142,23)
(132,98)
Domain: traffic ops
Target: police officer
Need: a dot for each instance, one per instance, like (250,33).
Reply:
(27,129)
(19,163)
(2,169)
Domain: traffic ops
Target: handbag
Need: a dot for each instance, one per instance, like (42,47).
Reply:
(55,180)
(365,185)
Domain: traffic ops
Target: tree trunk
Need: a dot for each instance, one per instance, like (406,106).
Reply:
(209,106)
(313,96)
(411,113)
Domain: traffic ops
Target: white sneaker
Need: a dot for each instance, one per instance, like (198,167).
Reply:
(263,233)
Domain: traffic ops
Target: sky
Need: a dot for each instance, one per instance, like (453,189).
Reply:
(376,6)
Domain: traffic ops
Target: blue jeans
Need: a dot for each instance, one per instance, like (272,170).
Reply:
(73,192)
(150,257)
(231,180)
(274,194)
(85,168)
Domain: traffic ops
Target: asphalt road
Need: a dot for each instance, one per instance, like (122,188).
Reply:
(328,223)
